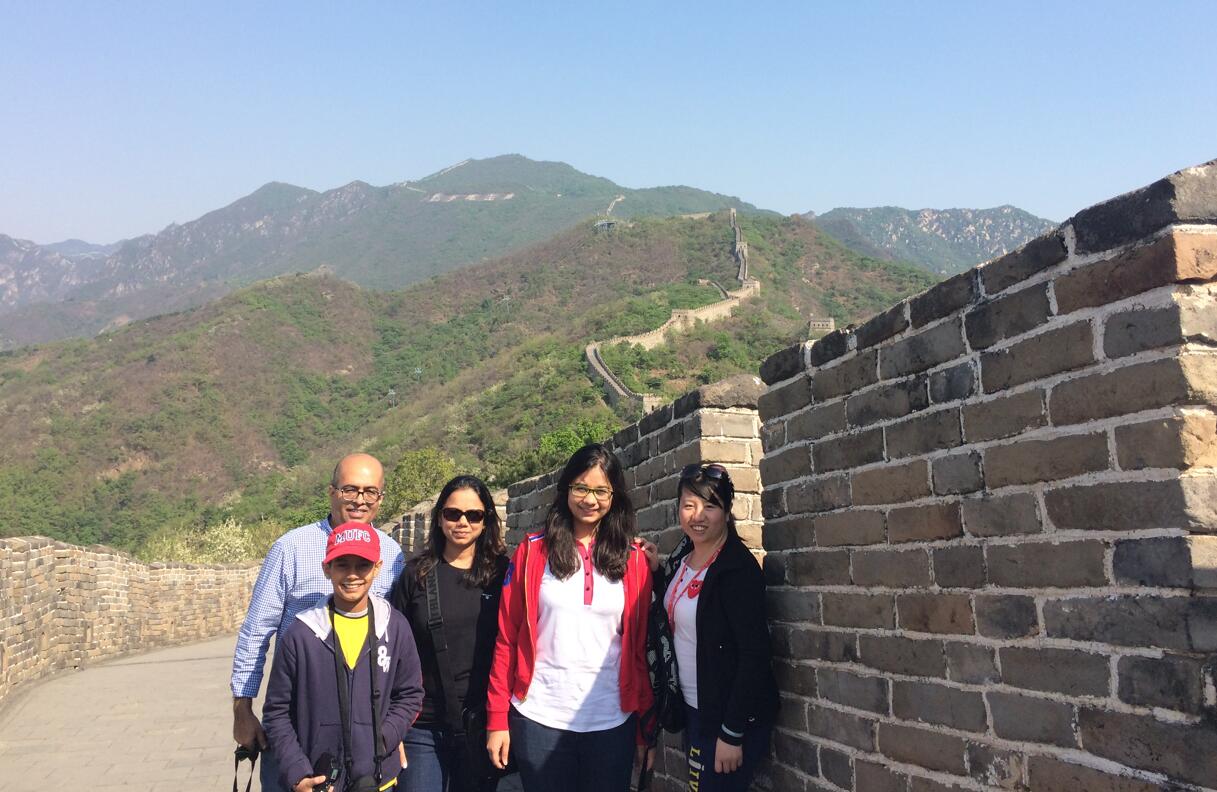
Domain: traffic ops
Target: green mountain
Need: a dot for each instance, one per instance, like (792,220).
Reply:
(378,237)
(943,241)
(233,412)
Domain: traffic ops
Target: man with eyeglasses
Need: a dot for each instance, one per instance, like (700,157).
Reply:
(291,581)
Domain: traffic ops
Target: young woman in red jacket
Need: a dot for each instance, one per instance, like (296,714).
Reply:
(569,679)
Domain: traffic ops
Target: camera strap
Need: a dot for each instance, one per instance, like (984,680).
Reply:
(439,642)
(344,698)
(252,756)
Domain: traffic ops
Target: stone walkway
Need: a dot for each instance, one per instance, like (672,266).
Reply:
(154,722)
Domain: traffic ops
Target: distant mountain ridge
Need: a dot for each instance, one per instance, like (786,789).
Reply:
(379,237)
(944,241)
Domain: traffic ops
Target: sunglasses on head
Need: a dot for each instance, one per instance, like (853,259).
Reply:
(713,471)
(472,515)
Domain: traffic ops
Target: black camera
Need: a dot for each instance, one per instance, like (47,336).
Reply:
(327,766)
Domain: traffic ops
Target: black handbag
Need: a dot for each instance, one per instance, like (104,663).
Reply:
(471,725)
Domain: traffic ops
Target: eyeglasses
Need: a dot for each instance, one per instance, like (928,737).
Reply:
(474,516)
(351,494)
(712,471)
(581,491)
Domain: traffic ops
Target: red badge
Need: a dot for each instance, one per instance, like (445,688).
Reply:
(694,587)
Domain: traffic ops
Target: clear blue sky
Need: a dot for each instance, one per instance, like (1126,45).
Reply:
(119,118)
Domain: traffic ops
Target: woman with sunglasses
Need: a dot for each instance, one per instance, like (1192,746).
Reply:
(569,680)
(714,596)
(466,557)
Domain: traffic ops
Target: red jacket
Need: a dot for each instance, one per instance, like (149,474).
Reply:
(515,648)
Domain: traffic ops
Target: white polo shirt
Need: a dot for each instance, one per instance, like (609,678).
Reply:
(575,680)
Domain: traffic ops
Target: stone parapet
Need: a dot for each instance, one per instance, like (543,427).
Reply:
(990,529)
(64,606)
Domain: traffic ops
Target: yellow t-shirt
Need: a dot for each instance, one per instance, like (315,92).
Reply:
(351,632)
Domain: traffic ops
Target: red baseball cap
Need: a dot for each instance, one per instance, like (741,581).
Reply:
(353,538)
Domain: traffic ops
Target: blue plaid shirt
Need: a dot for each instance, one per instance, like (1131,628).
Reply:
(290,582)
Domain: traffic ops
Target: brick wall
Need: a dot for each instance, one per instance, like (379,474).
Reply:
(63,606)
(990,515)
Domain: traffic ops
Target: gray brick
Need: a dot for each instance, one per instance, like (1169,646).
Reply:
(1172,682)
(853,690)
(818,568)
(1004,416)
(1051,352)
(891,568)
(922,351)
(847,376)
(1036,256)
(851,527)
(1003,515)
(1031,719)
(935,613)
(1006,616)
(886,401)
(849,451)
(960,566)
(924,523)
(1068,671)
(971,663)
(1029,461)
(921,747)
(1183,751)
(928,702)
(951,384)
(924,433)
(900,655)
(859,610)
(957,473)
(1045,565)
(1007,316)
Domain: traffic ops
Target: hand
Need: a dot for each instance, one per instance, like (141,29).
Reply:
(643,753)
(246,729)
(651,551)
(498,745)
(727,758)
(305,784)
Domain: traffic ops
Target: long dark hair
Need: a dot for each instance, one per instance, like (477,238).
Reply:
(489,547)
(711,483)
(615,530)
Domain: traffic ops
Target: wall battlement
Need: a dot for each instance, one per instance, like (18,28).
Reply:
(64,606)
(989,519)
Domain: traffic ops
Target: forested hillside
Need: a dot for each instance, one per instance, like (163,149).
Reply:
(232,413)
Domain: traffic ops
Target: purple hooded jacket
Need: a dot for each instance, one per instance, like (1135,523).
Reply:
(301,713)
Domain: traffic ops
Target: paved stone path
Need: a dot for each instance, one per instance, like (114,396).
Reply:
(153,722)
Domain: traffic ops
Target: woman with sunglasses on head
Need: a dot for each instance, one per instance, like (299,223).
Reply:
(569,680)
(714,596)
(462,566)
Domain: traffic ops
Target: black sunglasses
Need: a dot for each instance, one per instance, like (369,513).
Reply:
(474,516)
(716,472)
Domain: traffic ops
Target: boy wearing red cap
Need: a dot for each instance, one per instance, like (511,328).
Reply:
(346,682)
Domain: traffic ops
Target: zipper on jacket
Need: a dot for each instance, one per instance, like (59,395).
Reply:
(524,581)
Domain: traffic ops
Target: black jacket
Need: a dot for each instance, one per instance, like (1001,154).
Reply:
(735,683)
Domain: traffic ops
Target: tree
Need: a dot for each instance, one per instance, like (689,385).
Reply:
(417,476)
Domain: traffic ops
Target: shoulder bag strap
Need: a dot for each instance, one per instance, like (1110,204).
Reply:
(344,696)
(439,642)
(377,757)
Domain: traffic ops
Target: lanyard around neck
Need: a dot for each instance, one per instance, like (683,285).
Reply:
(688,587)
